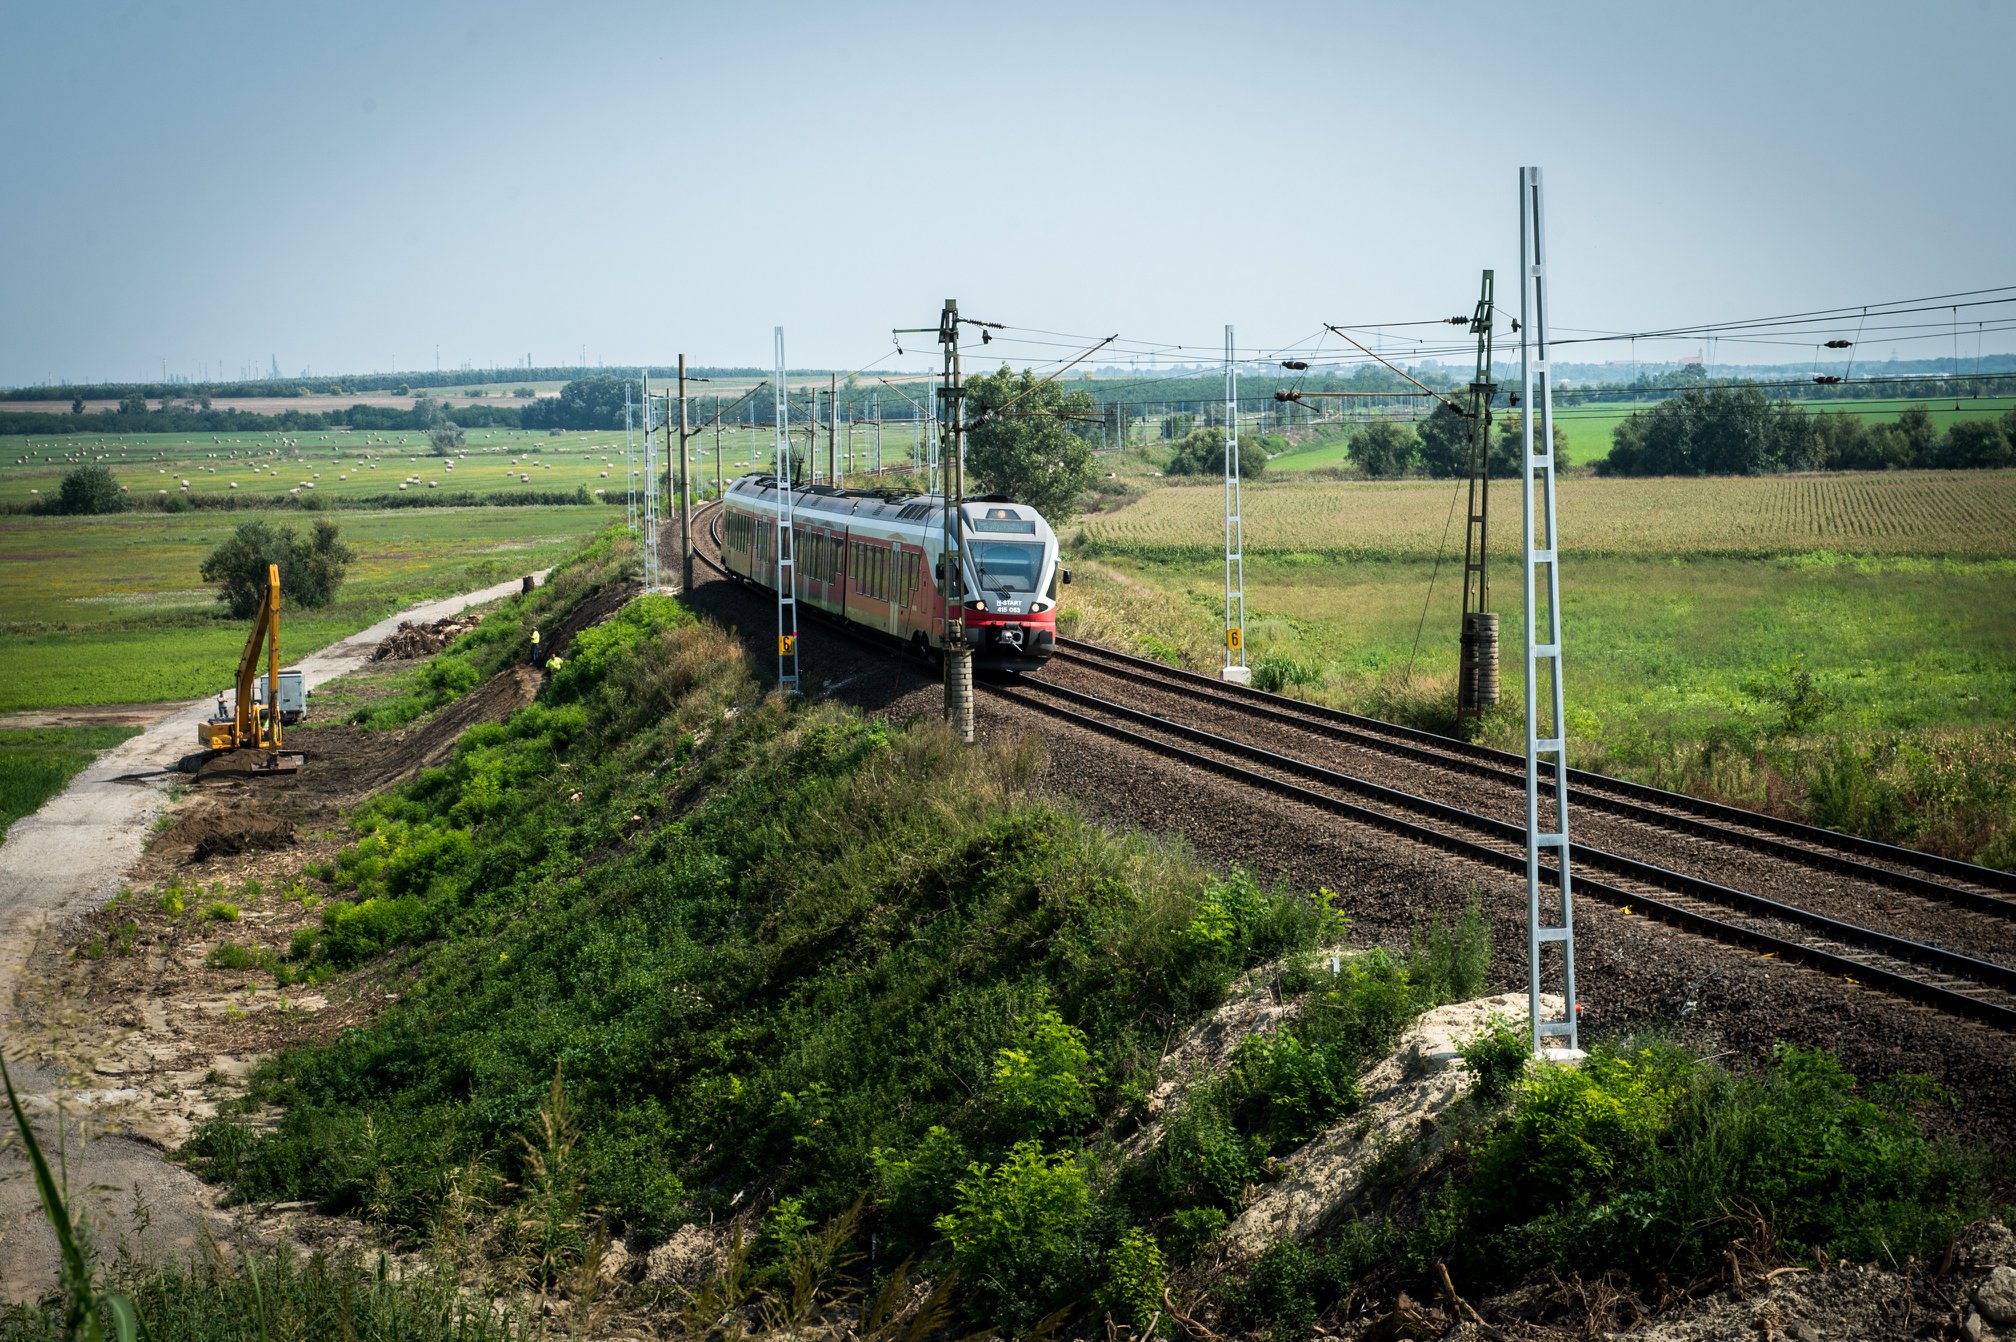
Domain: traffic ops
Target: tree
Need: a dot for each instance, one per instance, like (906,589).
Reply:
(76,405)
(1445,442)
(1973,444)
(1503,463)
(1203,453)
(88,489)
(447,439)
(310,571)
(1022,446)
(1921,436)
(584,403)
(133,404)
(1383,449)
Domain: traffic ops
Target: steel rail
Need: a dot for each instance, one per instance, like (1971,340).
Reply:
(1710,819)
(1676,915)
(1945,998)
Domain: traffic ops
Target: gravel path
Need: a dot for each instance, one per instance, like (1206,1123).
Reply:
(68,859)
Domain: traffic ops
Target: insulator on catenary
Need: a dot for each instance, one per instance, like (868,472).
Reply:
(1512,398)
(1287,396)
(1827,379)
(1295,365)
(1839,344)
(1455,321)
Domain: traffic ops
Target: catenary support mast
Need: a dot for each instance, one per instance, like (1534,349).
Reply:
(786,547)
(685,490)
(1477,676)
(1550,913)
(1235,557)
(958,657)
(649,483)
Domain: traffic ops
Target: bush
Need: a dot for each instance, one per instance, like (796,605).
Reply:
(1045,1082)
(1202,452)
(1497,1057)
(1650,1158)
(1136,1276)
(1018,1234)
(310,570)
(1383,449)
(1276,674)
(86,490)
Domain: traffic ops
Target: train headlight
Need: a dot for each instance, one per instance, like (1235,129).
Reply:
(976,605)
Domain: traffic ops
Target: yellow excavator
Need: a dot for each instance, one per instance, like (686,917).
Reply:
(252,723)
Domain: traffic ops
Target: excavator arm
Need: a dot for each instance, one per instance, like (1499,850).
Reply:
(247,727)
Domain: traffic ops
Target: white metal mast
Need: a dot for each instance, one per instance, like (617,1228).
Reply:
(786,547)
(649,484)
(629,462)
(1236,669)
(1546,733)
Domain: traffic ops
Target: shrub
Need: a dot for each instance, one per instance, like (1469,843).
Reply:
(86,490)
(1045,1083)
(1277,674)
(1497,1057)
(310,570)
(1450,963)
(1135,1278)
(1018,1234)
(1651,1158)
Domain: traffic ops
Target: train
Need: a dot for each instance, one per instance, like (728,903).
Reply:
(876,560)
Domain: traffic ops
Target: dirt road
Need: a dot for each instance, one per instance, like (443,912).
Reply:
(65,860)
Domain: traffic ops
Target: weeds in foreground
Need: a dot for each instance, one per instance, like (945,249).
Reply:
(87,1314)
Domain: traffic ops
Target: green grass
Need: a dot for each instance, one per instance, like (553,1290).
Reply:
(37,763)
(99,610)
(1684,672)
(338,464)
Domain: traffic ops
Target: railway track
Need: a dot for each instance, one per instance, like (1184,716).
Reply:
(1948,980)
(1983,890)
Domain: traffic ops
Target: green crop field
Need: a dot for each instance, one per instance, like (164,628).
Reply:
(102,610)
(340,464)
(1840,648)
(1588,425)
(1961,513)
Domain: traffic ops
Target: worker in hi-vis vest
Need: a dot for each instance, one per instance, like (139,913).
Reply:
(538,653)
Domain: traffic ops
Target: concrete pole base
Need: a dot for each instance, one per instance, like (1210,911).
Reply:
(959,692)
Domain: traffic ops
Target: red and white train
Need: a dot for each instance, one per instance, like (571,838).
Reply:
(877,561)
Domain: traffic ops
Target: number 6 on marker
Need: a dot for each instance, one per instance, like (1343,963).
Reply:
(1234,638)
(785,644)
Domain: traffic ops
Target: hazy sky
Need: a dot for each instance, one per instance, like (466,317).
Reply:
(349,186)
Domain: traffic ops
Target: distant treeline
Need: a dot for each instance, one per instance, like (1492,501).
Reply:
(309,503)
(131,418)
(351,383)
(1744,432)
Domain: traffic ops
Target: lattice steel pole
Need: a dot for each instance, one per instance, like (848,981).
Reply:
(650,486)
(786,546)
(1236,669)
(1477,673)
(1546,732)
(958,656)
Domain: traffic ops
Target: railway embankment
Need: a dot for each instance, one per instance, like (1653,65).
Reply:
(672,1006)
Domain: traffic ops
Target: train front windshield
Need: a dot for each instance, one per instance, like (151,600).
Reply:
(1007,566)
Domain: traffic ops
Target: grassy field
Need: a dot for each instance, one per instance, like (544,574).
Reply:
(36,764)
(1969,514)
(1588,426)
(1841,648)
(359,464)
(105,610)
